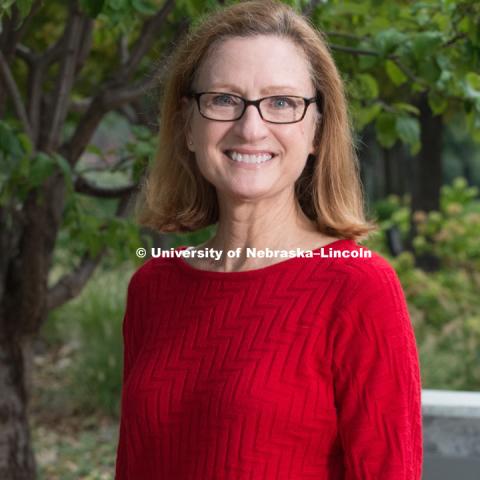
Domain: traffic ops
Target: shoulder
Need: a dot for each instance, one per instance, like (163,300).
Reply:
(142,274)
(366,276)
(146,276)
(359,264)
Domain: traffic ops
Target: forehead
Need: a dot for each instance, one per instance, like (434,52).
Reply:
(253,63)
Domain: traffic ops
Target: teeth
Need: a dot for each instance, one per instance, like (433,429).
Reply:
(240,157)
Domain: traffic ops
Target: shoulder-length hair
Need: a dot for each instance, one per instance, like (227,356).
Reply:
(175,197)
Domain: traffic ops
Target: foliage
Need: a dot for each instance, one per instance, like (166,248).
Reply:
(91,223)
(92,324)
(85,455)
(400,50)
(444,305)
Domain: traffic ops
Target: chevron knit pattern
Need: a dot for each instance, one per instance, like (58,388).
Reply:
(305,369)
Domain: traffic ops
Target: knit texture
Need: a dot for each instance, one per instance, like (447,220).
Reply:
(305,369)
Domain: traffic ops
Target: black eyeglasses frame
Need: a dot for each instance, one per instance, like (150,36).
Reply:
(318,99)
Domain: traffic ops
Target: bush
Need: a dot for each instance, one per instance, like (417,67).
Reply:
(92,323)
(445,304)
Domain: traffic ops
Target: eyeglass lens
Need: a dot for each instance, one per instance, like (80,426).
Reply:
(229,107)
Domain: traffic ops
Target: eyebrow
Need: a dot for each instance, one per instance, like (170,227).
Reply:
(270,89)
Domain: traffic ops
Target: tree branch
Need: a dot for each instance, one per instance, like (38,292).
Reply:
(37,4)
(82,185)
(408,73)
(147,36)
(72,283)
(35,80)
(394,58)
(454,39)
(25,54)
(85,44)
(124,53)
(353,50)
(110,96)
(65,80)
(12,88)
(348,36)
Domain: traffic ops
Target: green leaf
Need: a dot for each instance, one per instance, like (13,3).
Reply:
(24,7)
(442,20)
(473,85)
(445,80)
(386,129)
(118,4)
(407,107)
(144,7)
(394,73)
(9,143)
(387,41)
(425,43)
(469,25)
(25,142)
(5,6)
(91,148)
(365,86)
(408,129)
(41,168)
(66,170)
(364,116)
(438,103)
(429,69)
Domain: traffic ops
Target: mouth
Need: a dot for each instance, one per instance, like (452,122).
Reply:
(255,159)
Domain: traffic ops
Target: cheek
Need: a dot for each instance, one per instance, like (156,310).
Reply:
(208,133)
(307,131)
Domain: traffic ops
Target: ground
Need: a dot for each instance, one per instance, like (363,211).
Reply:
(69,445)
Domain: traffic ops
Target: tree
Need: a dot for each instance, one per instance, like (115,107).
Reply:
(42,138)
(411,67)
(66,66)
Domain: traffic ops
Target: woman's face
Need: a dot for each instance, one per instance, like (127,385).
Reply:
(253,68)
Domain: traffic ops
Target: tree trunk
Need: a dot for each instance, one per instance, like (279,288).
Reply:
(426,196)
(428,178)
(22,312)
(17,461)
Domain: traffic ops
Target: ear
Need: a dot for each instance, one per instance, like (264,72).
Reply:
(186,113)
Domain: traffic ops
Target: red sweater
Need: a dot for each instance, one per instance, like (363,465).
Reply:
(305,369)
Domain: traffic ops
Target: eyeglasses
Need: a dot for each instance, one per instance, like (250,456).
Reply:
(227,107)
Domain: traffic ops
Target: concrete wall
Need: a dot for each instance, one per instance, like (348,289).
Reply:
(451,433)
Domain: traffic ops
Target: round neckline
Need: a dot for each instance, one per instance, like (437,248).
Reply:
(255,272)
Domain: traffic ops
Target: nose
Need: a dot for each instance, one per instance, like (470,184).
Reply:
(251,126)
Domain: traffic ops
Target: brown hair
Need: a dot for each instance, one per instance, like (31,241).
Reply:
(177,198)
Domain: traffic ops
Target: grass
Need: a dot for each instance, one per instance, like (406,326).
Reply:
(77,382)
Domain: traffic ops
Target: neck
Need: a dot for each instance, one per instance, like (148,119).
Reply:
(275,223)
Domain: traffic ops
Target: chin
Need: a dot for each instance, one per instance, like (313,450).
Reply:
(247,192)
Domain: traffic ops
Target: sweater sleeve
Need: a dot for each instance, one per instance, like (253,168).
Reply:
(377,383)
(129,347)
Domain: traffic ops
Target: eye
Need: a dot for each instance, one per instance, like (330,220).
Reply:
(282,103)
(224,99)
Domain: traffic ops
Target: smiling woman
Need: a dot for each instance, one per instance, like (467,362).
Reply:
(251,52)
(256,366)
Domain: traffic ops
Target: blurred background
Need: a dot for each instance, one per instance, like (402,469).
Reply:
(78,120)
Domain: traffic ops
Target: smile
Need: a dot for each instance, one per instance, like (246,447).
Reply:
(248,158)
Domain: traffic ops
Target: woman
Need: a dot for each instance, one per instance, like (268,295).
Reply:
(264,367)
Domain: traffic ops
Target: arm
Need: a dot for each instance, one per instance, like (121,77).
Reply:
(128,351)
(377,382)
